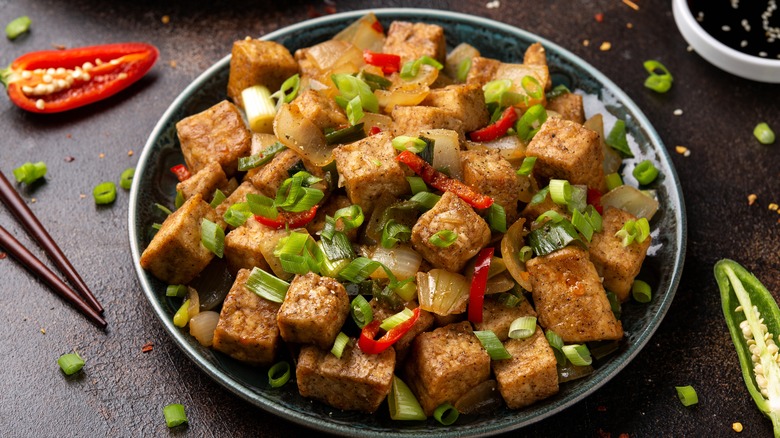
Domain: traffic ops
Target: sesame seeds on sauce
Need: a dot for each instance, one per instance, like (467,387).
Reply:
(750,27)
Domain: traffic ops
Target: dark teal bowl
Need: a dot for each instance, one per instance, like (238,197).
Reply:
(154,183)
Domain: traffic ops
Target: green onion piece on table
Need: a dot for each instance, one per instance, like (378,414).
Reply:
(522,327)
(279,374)
(687,395)
(446,414)
(578,354)
(266,285)
(182,316)
(212,236)
(126,178)
(645,172)
(660,80)
(17,26)
(764,133)
(527,166)
(28,173)
(104,193)
(402,402)
(361,311)
(492,344)
(339,344)
(70,363)
(617,140)
(174,415)
(641,291)
(443,238)
(176,290)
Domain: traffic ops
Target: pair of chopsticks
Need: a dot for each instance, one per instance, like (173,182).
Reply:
(86,303)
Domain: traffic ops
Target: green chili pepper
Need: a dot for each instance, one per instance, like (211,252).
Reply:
(753,319)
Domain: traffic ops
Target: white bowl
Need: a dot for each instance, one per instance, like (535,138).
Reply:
(719,54)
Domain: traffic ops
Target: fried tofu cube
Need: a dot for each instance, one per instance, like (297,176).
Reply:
(450,213)
(321,110)
(530,375)
(313,310)
(410,120)
(242,247)
(536,55)
(217,134)
(444,364)
(567,150)
(466,102)
(205,182)
(570,298)
(247,328)
(617,264)
(356,382)
(413,40)
(270,176)
(331,206)
(175,254)
(492,175)
(569,106)
(533,211)
(484,70)
(497,318)
(257,62)
(369,169)
(238,195)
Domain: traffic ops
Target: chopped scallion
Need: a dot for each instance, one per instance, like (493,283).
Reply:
(407,143)
(182,316)
(410,69)
(552,215)
(289,89)
(527,167)
(402,402)
(496,218)
(392,321)
(578,354)
(446,414)
(351,217)
(257,204)
(614,304)
(212,236)
(394,232)
(263,157)
(17,26)
(28,173)
(525,253)
(163,209)
(259,107)
(556,343)
(532,86)
(645,172)
(217,199)
(443,238)
(463,70)
(552,237)
(613,180)
(426,200)
(540,196)
(179,201)
(764,133)
(361,311)
(617,139)
(338,345)
(126,178)
(174,414)
(530,122)
(279,374)
(417,184)
(641,291)
(104,193)
(266,285)
(660,83)
(350,86)
(237,214)
(560,191)
(355,111)
(176,290)
(522,327)
(687,395)
(492,344)
(582,224)
(359,270)
(70,363)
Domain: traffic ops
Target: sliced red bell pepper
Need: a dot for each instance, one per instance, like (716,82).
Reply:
(388,62)
(479,284)
(290,220)
(442,182)
(594,199)
(496,129)
(369,345)
(52,81)
(181,172)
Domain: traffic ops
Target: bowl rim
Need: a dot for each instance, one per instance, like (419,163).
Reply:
(719,54)
(611,369)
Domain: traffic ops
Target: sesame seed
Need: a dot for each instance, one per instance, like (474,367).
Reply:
(678,112)
(606,45)
(743,43)
(130,153)
(165,19)
(82,196)
(26,89)
(102,155)
(629,25)
(51,71)
(122,75)
(87,66)
(586,43)
(98,61)
(172,64)
(773,206)
(40,104)
(752,198)
(726,28)
(26,74)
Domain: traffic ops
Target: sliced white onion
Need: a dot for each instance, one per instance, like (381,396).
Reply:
(612,159)
(333,54)
(425,77)
(388,99)
(442,292)
(632,200)
(457,55)
(446,151)
(202,327)
(261,141)
(513,240)
(363,34)
(402,261)
(194,307)
(381,121)
(509,146)
(301,135)
(500,283)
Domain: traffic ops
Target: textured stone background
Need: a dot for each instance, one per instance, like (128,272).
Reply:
(122,391)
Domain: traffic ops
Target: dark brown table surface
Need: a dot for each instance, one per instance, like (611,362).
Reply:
(122,390)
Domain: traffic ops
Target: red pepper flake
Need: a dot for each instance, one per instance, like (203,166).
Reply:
(374,130)
(3,255)
(147,347)
(69,136)
(69,159)
(59,46)
(599,17)
(181,172)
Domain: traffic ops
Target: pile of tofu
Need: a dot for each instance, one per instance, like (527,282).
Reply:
(440,358)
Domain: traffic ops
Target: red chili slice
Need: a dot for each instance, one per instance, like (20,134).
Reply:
(594,199)
(287,219)
(52,81)
(442,182)
(498,128)
(181,172)
(369,345)
(377,26)
(374,130)
(388,62)
(479,284)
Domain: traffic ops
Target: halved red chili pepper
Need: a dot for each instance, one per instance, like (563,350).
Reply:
(388,62)
(181,172)
(369,345)
(479,284)
(594,199)
(52,81)
(442,182)
(496,129)
(287,219)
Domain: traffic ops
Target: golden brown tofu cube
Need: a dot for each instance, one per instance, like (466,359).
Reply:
(216,134)
(567,150)
(444,364)
(492,175)
(570,299)
(617,264)
(313,310)
(410,120)
(321,110)
(333,204)
(450,213)
(530,375)
(205,182)
(175,254)
(242,247)
(466,102)
(247,328)
(356,382)
(482,70)
(569,106)
(369,169)
(497,318)
(256,62)
(413,40)
(270,176)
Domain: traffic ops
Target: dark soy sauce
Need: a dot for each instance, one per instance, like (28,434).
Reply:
(749,26)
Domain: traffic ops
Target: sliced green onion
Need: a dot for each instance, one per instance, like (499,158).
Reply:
(687,395)
(527,167)
(496,218)
(337,247)
(645,172)
(552,237)
(532,86)
(764,133)
(361,311)
(350,86)
(614,304)
(417,184)
(497,92)
(104,193)
(28,173)
(376,82)
(351,217)
(126,178)
(179,201)
(540,196)
(446,414)
(296,263)
(256,204)
(182,316)
(530,122)
(289,89)
(641,291)
(212,236)
(355,111)
(176,290)
(558,90)
(582,224)
(463,70)
(552,215)
(327,267)
(556,343)
(263,157)
(579,198)
(309,198)
(642,229)
(174,414)
(156,226)
(391,322)
(522,327)
(394,232)
(634,230)
(346,135)
(525,253)
(293,243)
(338,345)
(594,218)
(163,209)
(359,270)
(217,199)
(560,191)
(237,214)
(279,374)
(17,26)
(406,289)
(402,402)
(509,300)
(578,354)
(426,200)
(411,69)
(492,344)
(411,144)
(266,285)
(259,107)
(70,363)
(657,82)
(617,139)
(443,238)
(613,180)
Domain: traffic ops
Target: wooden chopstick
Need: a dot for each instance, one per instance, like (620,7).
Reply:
(20,253)
(27,219)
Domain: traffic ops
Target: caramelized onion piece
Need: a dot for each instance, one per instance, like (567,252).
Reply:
(203,325)
(513,240)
